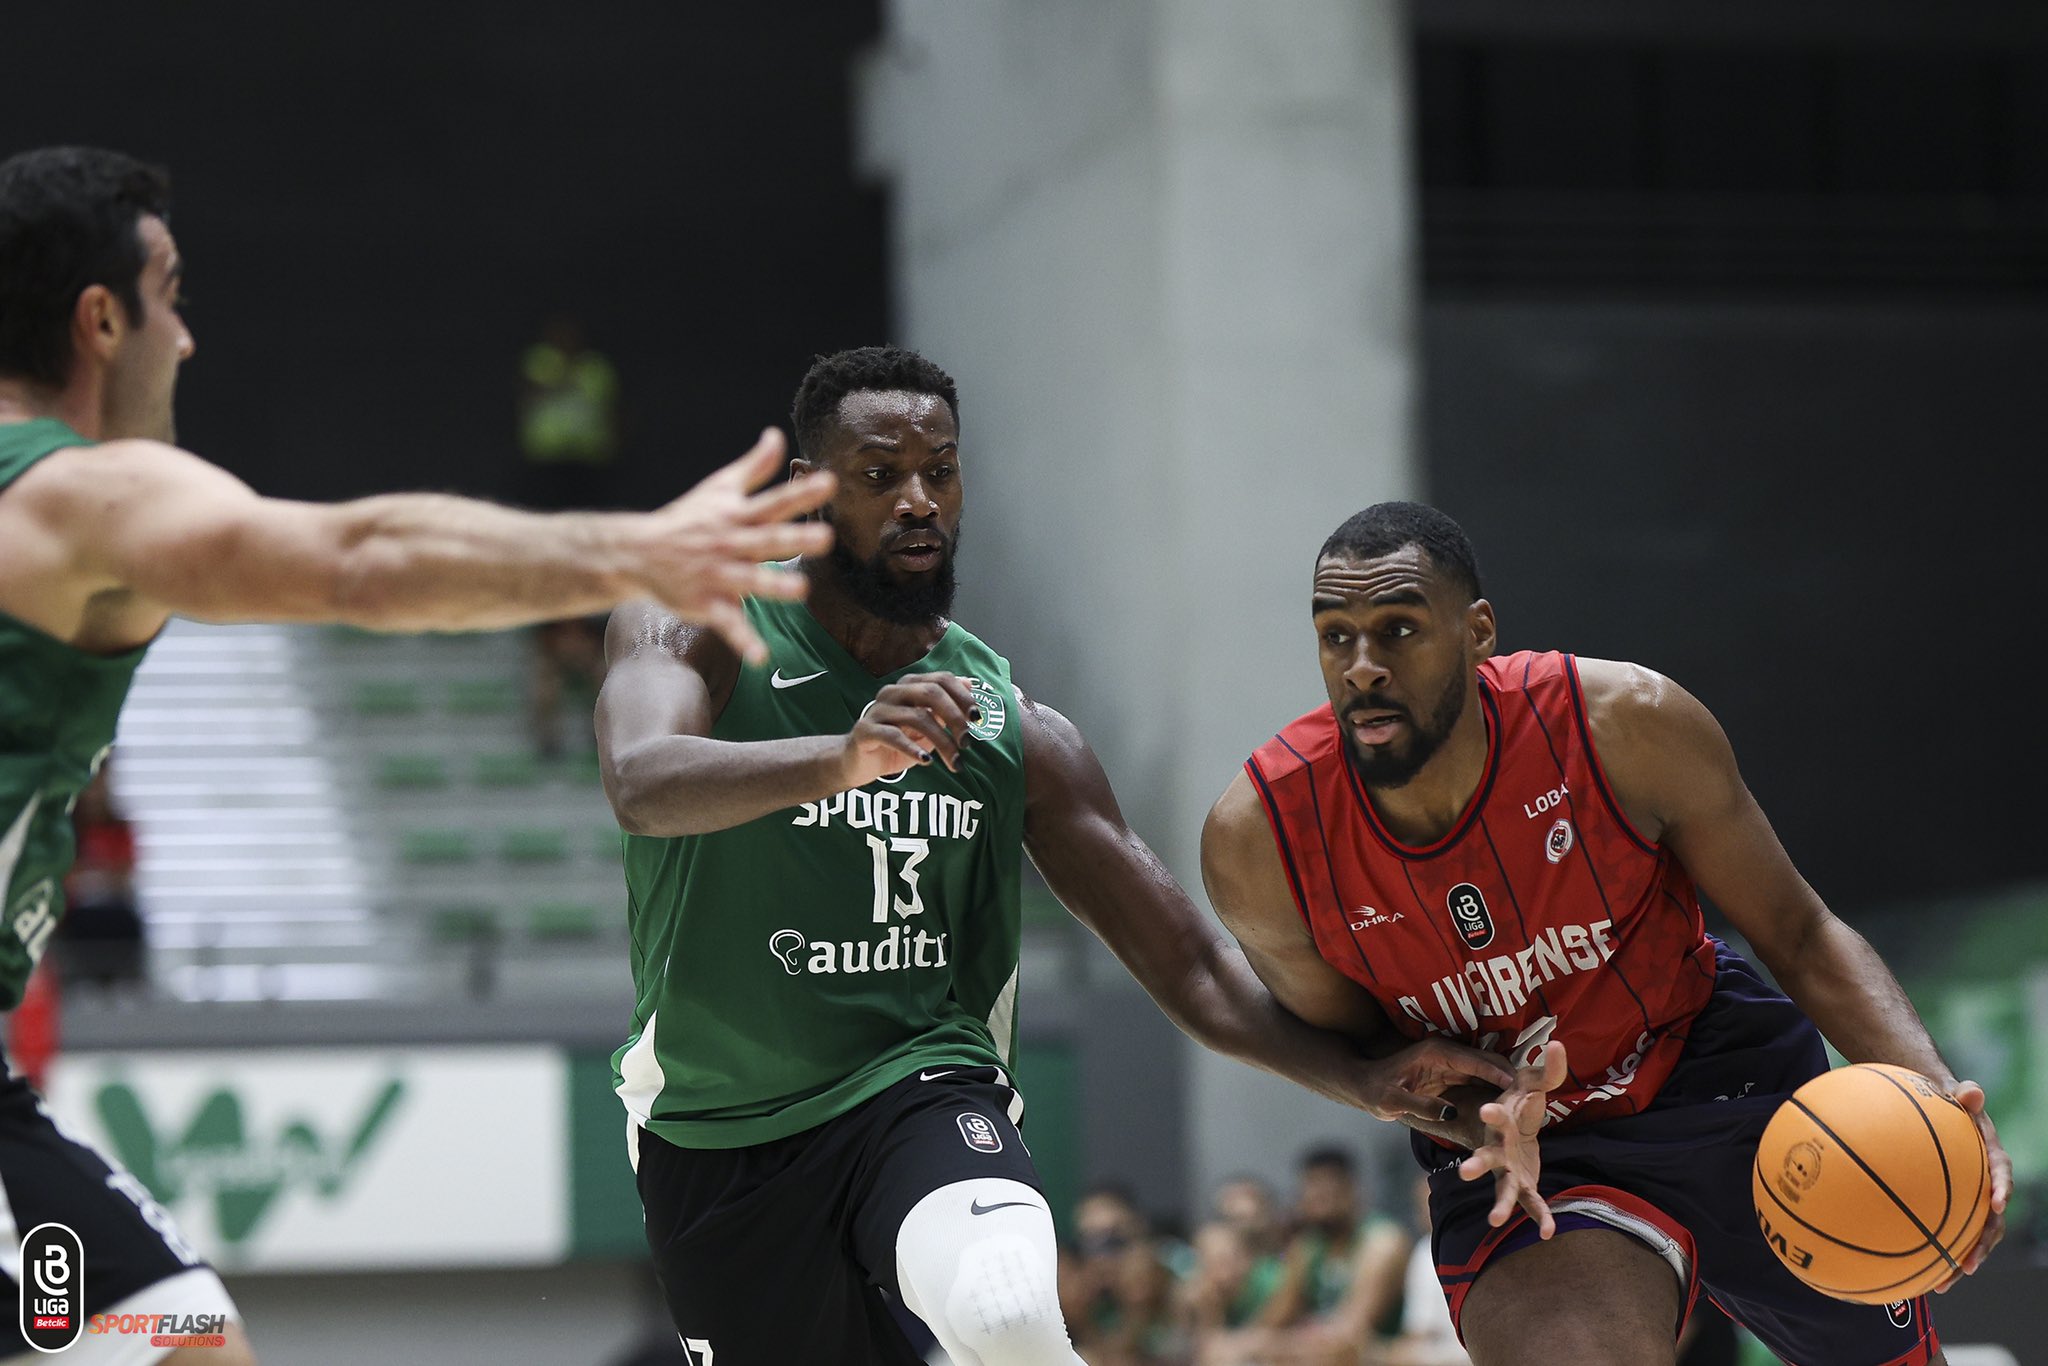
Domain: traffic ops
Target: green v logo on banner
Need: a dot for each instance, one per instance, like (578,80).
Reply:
(217,1156)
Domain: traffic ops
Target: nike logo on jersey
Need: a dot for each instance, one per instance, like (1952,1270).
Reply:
(776,680)
(934,1076)
(978,1208)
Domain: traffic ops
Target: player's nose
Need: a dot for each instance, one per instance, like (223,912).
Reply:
(917,502)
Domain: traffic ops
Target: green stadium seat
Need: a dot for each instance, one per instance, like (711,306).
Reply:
(534,846)
(557,920)
(387,697)
(484,697)
(396,772)
(437,846)
(463,924)
(513,769)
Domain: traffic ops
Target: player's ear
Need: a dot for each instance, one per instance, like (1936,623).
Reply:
(98,321)
(1479,621)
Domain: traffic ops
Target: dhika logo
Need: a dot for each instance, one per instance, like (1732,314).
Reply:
(1469,914)
(243,1173)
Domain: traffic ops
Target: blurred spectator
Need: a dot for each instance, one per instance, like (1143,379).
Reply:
(568,418)
(1248,1204)
(1221,1300)
(1341,1279)
(568,669)
(1118,1294)
(100,937)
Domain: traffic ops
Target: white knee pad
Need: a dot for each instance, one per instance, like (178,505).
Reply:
(977,1262)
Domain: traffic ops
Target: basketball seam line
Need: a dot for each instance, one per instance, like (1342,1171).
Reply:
(1948,1194)
(1818,1231)
(1861,1290)
(1889,1194)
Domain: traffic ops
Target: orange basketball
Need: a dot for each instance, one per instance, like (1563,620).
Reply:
(1871,1184)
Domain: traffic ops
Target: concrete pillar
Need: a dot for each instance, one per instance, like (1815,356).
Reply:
(1165,248)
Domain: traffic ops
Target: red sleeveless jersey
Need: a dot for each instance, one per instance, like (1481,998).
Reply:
(1541,915)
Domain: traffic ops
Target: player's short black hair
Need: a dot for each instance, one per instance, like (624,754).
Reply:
(1329,1155)
(831,378)
(1384,528)
(68,218)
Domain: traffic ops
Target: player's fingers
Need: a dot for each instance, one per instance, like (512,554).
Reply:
(776,541)
(725,617)
(1454,1064)
(764,581)
(792,499)
(919,722)
(1506,1197)
(1482,1161)
(938,690)
(878,734)
(762,462)
(1538,1209)
(1397,1102)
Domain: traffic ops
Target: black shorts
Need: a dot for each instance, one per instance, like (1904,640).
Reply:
(779,1253)
(1678,1177)
(129,1240)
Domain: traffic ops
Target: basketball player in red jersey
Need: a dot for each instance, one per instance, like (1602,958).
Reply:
(1505,850)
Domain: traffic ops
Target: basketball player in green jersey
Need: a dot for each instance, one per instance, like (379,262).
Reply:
(106,530)
(822,862)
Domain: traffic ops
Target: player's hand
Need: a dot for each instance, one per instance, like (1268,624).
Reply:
(1511,1154)
(913,720)
(1413,1082)
(704,552)
(1970,1096)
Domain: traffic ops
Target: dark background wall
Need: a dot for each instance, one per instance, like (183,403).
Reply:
(1734,325)
(381,202)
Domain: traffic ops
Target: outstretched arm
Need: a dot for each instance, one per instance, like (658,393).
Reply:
(1115,885)
(1435,1086)
(1677,779)
(172,530)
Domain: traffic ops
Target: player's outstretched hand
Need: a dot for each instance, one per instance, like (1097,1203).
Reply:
(1414,1081)
(1512,1123)
(705,551)
(913,719)
(1970,1096)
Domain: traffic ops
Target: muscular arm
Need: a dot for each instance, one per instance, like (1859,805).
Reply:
(666,684)
(1673,770)
(1676,777)
(1107,877)
(176,534)
(1247,886)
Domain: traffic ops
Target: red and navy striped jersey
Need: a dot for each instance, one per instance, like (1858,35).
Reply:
(1542,914)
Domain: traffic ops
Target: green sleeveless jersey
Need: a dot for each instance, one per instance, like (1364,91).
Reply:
(58,707)
(789,968)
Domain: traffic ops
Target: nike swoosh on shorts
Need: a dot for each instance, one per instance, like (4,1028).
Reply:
(978,1208)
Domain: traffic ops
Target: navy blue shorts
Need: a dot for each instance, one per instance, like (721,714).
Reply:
(1678,1177)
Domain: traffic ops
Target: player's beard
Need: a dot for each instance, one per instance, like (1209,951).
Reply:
(1393,765)
(876,590)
